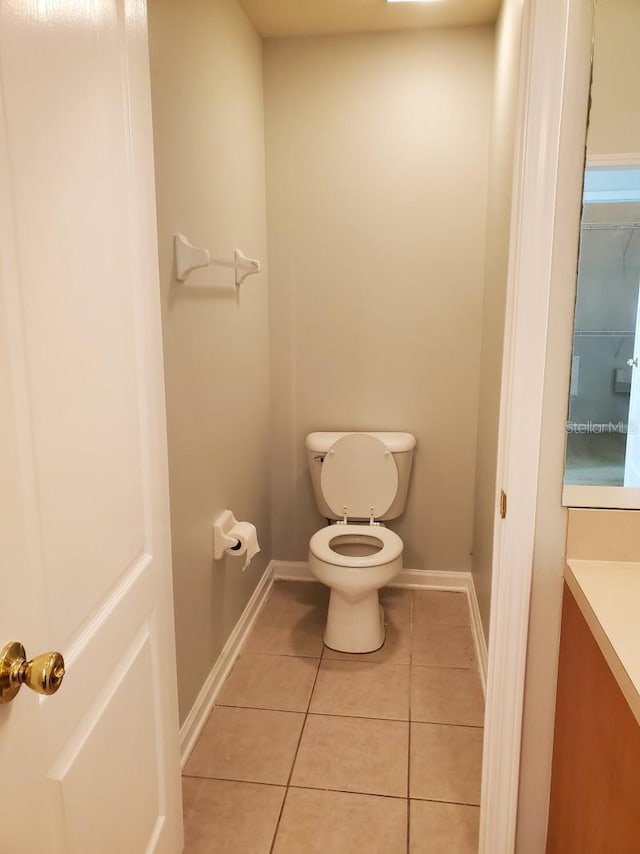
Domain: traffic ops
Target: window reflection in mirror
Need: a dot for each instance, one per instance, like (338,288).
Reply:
(603,445)
(603,426)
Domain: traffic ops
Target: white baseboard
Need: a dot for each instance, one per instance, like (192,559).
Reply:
(197,717)
(432,579)
(292,570)
(424,579)
(478,634)
(298,570)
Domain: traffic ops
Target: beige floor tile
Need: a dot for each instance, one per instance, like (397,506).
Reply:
(292,621)
(441,645)
(353,755)
(443,828)
(246,744)
(317,822)
(282,682)
(439,606)
(446,763)
(446,696)
(396,603)
(221,817)
(362,689)
(396,599)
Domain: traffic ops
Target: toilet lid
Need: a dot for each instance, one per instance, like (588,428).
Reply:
(359,473)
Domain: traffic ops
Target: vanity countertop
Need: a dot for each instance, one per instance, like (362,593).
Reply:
(608,595)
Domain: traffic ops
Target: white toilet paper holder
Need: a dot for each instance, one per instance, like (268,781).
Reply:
(221,539)
(188,258)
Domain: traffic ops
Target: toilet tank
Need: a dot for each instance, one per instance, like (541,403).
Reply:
(401,446)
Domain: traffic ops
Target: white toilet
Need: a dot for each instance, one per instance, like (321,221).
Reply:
(359,480)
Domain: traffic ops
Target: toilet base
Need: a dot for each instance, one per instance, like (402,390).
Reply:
(354,624)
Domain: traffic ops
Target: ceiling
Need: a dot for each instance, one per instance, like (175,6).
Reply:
(273,18)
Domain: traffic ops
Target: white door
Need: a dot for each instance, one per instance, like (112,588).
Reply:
(84,530)
(632,454)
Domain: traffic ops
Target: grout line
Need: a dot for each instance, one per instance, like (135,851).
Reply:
(282,654)
(327,789)
(234,780)
(259,709)
(402,662)
(455,803)
(349,792)
(444,723)
(295,757)
(263,709)
(296,786)
(308,713)
(357,717)
(386,663)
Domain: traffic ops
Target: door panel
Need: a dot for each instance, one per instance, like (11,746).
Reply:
(84,526)
(93,655)
(120,804)
(37,818)
(78,309)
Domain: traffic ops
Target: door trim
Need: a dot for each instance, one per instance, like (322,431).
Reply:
(553,94)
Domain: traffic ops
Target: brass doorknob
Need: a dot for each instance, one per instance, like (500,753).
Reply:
(43,674)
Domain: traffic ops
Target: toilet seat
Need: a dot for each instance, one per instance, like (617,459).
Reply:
(320,545)
(359,478)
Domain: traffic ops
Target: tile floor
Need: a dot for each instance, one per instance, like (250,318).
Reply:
(310,750)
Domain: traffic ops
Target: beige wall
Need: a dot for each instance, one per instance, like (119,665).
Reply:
(614,123)
(603,534)
(377,150)
(501,163)
(206,69)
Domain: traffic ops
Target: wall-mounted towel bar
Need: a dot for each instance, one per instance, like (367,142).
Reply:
(190,257)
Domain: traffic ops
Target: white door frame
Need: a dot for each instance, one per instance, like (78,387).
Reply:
(632,451)
(550,138)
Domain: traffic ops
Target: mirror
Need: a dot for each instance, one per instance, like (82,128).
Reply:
(602,463)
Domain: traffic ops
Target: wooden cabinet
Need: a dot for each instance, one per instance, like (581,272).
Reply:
(595,786)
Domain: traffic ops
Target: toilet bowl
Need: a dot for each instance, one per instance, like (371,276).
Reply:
(355,561)
(359,480)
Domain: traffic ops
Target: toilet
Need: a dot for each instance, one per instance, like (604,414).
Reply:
(360,480)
